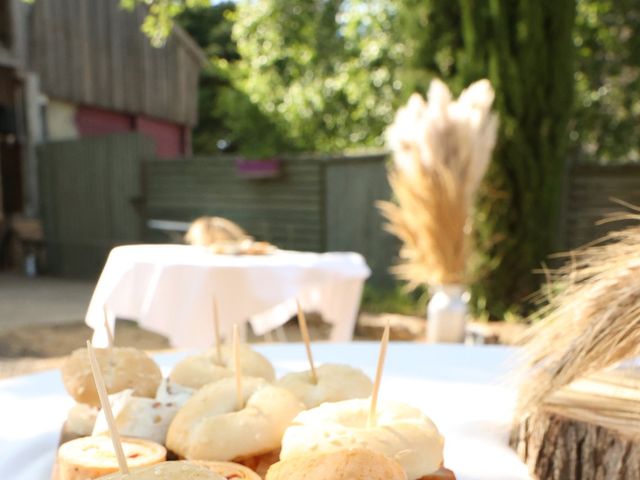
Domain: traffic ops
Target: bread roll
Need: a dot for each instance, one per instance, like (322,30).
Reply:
(230,470)
(81,419)
(168,471)
(335,383)
(208,426)
(205,231)
(138,417)
(121,368)
(199,370)
(91,457)
(402,433)
(358,464)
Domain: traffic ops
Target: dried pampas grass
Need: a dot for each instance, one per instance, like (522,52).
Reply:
(591,318)
(429,219)
(441,151)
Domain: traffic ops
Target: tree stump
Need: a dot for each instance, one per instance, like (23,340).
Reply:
(588,431)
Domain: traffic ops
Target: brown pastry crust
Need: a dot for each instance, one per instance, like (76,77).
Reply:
(230,470)
(356,464)
(122,368)
(442,474)
(260,464)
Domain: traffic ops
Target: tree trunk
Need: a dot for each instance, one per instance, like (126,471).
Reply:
(589,431)
(556,447)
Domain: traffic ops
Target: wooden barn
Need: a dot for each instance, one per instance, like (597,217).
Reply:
(71,69)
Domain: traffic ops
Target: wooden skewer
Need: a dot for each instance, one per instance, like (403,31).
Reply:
(238,368)
(216,331)
(106,408)
(371,421)
(302,321)
(107,328)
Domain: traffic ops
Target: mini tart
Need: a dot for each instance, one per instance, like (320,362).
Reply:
(198,370)
(91,457)
(121,368)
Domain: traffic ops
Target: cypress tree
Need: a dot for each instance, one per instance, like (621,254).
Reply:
(525,48)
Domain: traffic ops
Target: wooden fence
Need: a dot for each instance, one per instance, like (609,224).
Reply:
(286,210)
(100,192)
(313,203)
(590,194)
(353,186)
(89,191)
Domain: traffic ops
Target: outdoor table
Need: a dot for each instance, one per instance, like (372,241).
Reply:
(170,289)
(462,389)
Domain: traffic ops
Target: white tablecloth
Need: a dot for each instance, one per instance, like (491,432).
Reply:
(459,387)
(169,289)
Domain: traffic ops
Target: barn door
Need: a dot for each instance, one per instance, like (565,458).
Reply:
(88,191)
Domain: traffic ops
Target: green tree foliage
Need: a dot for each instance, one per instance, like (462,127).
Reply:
(605,126)
(431,32)
(525,48)
(210,27)
(161,15)
(318,74)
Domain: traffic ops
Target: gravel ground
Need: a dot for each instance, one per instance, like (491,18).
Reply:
(26,301)
(40,323)
(34,348)
(41,347)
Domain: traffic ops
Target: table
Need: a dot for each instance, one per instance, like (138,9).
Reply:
(169,289)
(460,388)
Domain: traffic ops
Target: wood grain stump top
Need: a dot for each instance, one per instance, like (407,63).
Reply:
(588,431)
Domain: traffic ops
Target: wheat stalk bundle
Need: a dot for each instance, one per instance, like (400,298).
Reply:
(590,319)
(441,150)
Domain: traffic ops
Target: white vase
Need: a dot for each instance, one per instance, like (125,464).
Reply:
(447,314)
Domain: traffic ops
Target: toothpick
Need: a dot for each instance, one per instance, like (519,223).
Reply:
(238,368)
(216,331)
(106,408)
(302,321)
(107,328)
(371,421)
